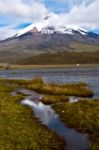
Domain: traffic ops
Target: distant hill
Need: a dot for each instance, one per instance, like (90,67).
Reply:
(63,58)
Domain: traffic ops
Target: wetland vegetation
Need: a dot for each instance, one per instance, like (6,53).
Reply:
(20,129)
(73,89)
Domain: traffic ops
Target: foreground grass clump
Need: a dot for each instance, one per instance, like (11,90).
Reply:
(53,93)
(52,99)
(83,116)
(77,89)
(19,129)
(73,89)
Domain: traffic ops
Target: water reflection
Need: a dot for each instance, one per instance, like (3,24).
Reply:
(43,112)
(74,140)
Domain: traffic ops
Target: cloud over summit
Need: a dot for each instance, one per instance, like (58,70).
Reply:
(62,12)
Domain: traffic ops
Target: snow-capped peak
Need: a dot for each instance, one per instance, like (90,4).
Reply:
(43,27)
(38,25)
(63,30)
(58,29)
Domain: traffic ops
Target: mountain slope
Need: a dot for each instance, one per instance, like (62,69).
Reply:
(63,58)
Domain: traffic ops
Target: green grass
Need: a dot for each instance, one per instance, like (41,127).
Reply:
(83,116)
(19,129)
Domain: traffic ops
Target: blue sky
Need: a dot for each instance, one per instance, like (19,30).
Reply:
(18,14)
(57,7)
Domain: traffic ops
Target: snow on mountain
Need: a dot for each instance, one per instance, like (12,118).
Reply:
(58,29)
(38,25)
(43,27)
(50,29)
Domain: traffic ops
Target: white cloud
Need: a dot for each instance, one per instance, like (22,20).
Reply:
(7,32)
(82,13)
(22,10)
(85,15)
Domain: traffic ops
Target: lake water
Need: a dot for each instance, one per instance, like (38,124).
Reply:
(62,75)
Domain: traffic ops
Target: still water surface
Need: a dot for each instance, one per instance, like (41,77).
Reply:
(47,116)
(62,75)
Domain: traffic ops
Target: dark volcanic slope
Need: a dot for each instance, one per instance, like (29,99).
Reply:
(63,58)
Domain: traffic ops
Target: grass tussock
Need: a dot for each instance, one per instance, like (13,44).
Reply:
(73,89)
(19,129)
(79,89)
(52,99)
(83,116)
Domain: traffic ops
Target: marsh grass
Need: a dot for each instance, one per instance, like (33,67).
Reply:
(53,92)
(77,89)
(19,129)
(52,99)
(83,116)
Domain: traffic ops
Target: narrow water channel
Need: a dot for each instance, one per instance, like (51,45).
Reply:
(48,117)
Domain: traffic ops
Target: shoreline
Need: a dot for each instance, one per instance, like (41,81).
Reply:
(48,66)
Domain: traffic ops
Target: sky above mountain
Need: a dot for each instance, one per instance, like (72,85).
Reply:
(17,14)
